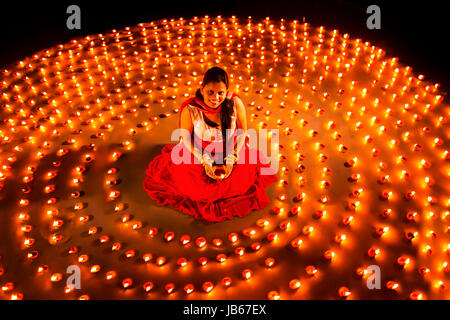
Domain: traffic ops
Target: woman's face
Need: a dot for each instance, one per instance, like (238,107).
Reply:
(214,93)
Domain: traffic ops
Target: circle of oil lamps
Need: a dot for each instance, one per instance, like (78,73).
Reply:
(368,129)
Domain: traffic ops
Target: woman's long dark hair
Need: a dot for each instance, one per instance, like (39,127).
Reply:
(216,74)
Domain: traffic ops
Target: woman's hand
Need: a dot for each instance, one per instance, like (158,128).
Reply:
(228,168)
(210,171)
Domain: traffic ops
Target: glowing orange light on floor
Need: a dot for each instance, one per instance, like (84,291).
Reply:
(363,154)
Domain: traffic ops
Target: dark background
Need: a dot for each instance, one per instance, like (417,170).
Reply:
(415,32)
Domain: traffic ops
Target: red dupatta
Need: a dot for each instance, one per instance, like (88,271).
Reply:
(198,103)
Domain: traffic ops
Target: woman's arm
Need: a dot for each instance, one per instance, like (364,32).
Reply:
(186,123)
(241,123)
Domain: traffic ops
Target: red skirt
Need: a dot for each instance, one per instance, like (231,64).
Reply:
(187,188)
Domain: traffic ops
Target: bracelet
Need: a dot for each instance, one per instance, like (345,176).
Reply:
(206,158)
(231,158)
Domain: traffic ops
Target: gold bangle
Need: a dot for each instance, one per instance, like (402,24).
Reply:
(235,158)
(207,159)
